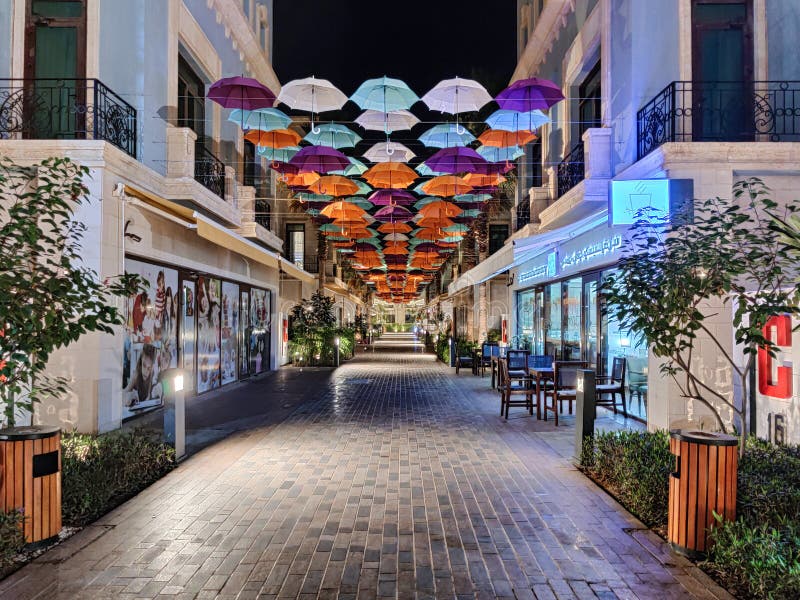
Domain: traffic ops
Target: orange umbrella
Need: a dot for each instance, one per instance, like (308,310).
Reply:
(440,208)
(478,180)
(299,179)
(367,260)
(390,175)
(447,185)
(395,228)
(333,185)
(434,222)
(504,139)
(278,138)
(429,233)
(397,250)
(343,211)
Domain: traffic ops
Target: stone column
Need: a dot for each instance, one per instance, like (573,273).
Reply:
(230,186)
(180,152)
(597,152)
(247,202)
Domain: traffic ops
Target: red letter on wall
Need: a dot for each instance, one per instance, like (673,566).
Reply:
(782,388)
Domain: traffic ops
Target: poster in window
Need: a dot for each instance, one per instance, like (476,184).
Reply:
(151,337)
(230,331)
(259,334)
(244,334)
(188,329)
(208,310)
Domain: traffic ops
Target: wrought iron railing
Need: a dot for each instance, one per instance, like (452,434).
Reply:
(263,214)
(309,263)
(720,111)
(209,170)
(523,214)
(571,171)
(49,109)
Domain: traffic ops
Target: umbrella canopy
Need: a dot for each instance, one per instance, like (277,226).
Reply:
(457,95)
(499,138)
(391,197)
(241,92)
(333,135)
(396,249)
(355,168)
(457,228)
(440,208)
(511,120)
(480,180)
(283,167)
(363,188)
(456,160)
(498,154)
(472,198)
(396,120)
(278,154)
(428,233)
(321,159)
(435,222)
(426,171)
(530,94)
(333,185)
(390,228)
(299,179)
(446,185)
(446,135)
(359,201)
(277,138)
(306,197)
(394,175)
(265,119)
(384,94)
(344,211)
(426,200)
(390,214)
(312,95)
(389,151)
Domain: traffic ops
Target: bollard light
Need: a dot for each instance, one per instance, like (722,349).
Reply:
(178,383)
(336,341)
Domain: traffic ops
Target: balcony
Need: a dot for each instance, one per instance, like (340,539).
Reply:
(66,109)
(720,111)
(571,171)
(309,263)
(209,170)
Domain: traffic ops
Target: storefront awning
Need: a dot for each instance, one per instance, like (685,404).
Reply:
(296,272)
(496,264)
(221,236)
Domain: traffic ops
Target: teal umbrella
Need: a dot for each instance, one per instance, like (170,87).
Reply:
(330,227)
(308,197)
(384,94)
(333,135)
(426,171)
(360,202)
(426,200)
(418,189)
(511,120)
(457,228)
(472,197)
(312,211)
(363,188)
(265,119)
(355,168)
(277,154)
(494,154)
(446,135)
(452,238)
(470,214)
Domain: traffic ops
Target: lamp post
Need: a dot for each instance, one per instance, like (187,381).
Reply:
(336,341)
(175,411)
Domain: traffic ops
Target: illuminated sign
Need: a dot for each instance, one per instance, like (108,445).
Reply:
(545,269)
(639,199)
(591,251)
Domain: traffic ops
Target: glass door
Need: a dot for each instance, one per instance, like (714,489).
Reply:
(573,294)
(590,310)
(552,320)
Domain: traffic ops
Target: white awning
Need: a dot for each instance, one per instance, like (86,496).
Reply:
(225,238)
(296,272)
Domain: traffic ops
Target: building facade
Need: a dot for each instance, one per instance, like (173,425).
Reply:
(176,195)
(677,111)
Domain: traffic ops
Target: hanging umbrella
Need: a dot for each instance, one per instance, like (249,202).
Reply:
(456,160)
(241,92)
(384,94)
(277,138)
(394,175)
(390,214)
(530,94)
(434,222)
(457,95)
(499,154)
(334,135)
(333,185)
(265,119)
(342,210)
(499,138)
(511,120)
(312,95)
(390,197)
(480,180)
(389,151)
(396,120)
(472,198)
(278,154)
(355,168)
(363,188)
(396,249)
(446,185)
(457,228)
(441,208)
(283,167)
(321,159)
(398,228)
(424,201)
(426,171)
(306,197)
(446,135)
(299,179)
(359,201)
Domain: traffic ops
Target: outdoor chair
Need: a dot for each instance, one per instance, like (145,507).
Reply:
(637,381)
(496,354)
(565,381)
(465,361)
(608,387)
(518,364)
(485,359)
(509,387)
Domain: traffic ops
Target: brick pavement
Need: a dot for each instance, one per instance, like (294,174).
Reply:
(394,479)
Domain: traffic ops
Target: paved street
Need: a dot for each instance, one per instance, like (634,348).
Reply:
(390,478)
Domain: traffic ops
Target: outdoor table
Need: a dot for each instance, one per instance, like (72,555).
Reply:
(540,374)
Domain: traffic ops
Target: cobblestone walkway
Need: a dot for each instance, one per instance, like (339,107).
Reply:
(395,479)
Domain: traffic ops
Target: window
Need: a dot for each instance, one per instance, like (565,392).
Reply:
(589,105)
(250,165)
(295,243)
(191,100)
(498,234)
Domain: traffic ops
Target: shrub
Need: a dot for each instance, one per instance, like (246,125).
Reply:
(635,467)
(768,483)
(759,560)
(11,537)
(99,472)
(443,349)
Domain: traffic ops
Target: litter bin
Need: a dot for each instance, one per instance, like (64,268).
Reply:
(704,482)
(31,478)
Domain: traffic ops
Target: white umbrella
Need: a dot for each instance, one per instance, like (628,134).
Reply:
(396,120)
(389,152)
(312,95)
(456,95)
(395,237)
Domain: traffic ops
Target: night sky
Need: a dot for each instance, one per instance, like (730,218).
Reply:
(418,41)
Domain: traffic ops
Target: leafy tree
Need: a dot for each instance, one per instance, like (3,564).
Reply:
(671,274)
(47,298)
(312,322)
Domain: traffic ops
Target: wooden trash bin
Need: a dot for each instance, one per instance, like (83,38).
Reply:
(704,482)
(30,458)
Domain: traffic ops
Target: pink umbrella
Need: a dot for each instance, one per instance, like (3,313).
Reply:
(320,159)
(393,214)
(389,197)
(241,92)
(526,95)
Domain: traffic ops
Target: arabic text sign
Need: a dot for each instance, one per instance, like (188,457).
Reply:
(602,247)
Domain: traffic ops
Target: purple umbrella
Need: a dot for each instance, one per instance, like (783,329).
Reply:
(389,197)
(393,214)
(456,160)
(526,95)
(319,159)
(491,168)
(283,167)
(241,92)
(427,247)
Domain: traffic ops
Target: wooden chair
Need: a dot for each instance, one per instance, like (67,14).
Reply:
(517,363)
(508,387)
(494,360)
(465,361)
(612,386)
(485,359)
(565,381)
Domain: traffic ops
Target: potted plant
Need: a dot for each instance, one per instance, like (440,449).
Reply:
(48,299)
(673,275)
